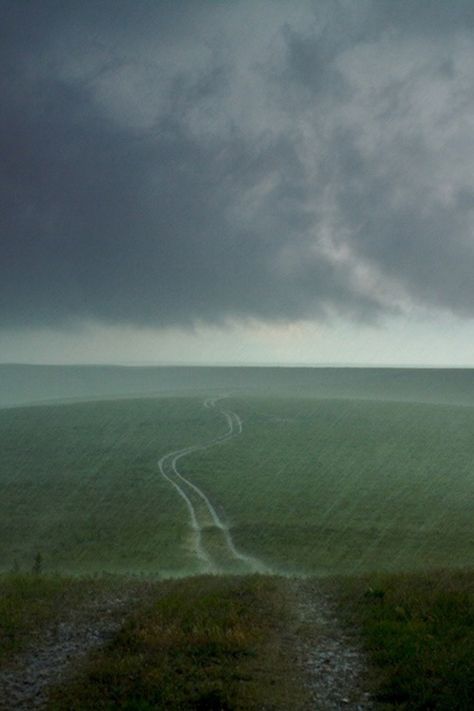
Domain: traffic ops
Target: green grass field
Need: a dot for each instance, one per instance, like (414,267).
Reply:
(310,486)
(334,486)
(372,495)
(80,484)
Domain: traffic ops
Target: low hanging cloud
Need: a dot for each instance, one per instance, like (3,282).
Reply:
(167,163)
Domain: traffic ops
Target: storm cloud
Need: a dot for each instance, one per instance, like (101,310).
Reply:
(171,163)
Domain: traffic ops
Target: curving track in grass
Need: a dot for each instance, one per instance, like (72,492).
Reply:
(212,540)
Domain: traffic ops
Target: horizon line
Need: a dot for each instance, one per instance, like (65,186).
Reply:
(234,364)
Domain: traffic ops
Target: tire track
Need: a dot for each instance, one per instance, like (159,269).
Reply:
(201,511)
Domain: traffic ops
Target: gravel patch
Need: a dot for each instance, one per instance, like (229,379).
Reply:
(330,657)
(54,656)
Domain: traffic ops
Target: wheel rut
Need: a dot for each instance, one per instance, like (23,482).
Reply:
(212,544)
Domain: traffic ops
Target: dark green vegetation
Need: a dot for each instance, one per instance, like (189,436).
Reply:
(204,643)
(419,631)
(215,642)
(29,602)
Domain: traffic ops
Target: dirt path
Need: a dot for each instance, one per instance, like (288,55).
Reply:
(57,650)
(330,657)
(324,656)
(212,541)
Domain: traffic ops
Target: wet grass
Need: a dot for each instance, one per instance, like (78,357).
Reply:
(343,487)
(319,487)
(419,632)
(203,643)
(311,486)
(80,484)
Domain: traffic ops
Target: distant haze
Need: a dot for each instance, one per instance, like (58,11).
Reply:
(25,385)
(237,182)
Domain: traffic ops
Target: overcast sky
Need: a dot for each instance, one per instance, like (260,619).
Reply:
(237,181)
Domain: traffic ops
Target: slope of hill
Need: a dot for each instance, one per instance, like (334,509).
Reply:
(168,486)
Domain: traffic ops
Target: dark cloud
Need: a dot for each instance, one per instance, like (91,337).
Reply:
(162,165)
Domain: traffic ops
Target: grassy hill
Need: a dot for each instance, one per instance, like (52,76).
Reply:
(363,479)
(334,486)
(309,486)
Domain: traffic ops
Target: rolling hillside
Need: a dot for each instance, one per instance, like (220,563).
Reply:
(302,485)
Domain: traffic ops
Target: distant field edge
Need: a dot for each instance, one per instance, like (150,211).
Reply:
(24,384)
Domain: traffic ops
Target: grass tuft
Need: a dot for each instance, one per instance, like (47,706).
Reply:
(419,631)
(27,602)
